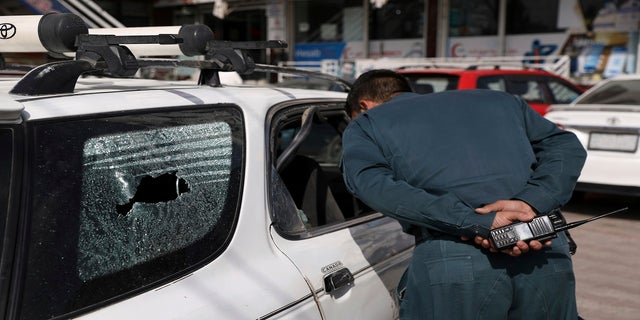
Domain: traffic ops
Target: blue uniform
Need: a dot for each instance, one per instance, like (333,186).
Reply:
(429,161)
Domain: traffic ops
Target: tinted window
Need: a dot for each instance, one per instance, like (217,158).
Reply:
(124,202)
(615,92)
(6,145)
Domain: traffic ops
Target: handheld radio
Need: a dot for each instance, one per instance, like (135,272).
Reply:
(541,228)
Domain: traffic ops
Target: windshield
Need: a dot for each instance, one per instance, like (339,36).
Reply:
(620,92)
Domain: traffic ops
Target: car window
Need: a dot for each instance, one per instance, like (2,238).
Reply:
(527,88)
(311,173)
(562,92)
(428,83)
(120,203)
(492,83)
(614,92)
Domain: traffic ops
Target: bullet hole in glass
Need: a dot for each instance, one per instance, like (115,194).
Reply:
(163,188)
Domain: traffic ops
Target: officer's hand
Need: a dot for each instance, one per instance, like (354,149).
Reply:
(507,212)
(506,205)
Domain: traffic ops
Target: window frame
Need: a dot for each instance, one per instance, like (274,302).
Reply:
(279,203)
(177,271)
(11,250)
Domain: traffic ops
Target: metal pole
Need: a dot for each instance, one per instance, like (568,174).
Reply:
(502,27)
(365,28)
(443,28)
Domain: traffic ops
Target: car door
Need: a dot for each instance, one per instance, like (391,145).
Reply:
(351,256)
(141,215)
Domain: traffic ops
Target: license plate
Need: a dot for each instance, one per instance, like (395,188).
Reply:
(621,142)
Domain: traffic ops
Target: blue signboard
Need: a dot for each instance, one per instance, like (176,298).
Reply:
(44,6)
(318,51)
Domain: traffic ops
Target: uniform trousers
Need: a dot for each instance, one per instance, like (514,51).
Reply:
(453,279)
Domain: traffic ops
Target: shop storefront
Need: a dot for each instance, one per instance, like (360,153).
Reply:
(600,36)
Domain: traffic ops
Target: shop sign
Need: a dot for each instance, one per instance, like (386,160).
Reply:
(611,18)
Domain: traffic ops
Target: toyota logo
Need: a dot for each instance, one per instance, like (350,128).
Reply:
(613,121)
(7,30)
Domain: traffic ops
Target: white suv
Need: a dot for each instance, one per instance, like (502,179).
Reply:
(142,199)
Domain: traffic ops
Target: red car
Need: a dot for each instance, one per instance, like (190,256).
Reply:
(539,88)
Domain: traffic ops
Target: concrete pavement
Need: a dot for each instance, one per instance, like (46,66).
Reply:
(607,262)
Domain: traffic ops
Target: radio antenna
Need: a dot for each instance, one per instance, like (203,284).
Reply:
(581,222)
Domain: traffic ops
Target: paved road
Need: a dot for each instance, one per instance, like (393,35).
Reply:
(607,262)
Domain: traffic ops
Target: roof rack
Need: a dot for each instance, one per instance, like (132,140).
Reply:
(111,52)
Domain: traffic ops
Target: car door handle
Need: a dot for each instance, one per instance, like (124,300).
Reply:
(338,279)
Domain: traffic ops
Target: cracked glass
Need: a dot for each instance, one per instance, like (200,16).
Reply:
(123,202)
(167,188)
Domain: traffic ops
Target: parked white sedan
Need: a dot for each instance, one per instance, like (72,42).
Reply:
(606,119)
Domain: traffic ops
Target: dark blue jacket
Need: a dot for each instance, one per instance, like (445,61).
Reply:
(430,160)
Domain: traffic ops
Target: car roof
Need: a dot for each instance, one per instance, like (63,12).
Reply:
(110,95)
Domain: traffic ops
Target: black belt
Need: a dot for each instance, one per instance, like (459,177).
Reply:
(422,234)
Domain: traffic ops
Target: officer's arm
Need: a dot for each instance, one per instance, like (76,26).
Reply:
(560,158)
(369,176)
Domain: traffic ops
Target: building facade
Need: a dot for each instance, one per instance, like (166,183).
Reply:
(601,36)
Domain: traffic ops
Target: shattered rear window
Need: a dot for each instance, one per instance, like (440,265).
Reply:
(122,202)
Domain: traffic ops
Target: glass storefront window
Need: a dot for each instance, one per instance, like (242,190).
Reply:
(525,16)
(342,20)
(480,17)
(473,18)
(325,21)
(396,19)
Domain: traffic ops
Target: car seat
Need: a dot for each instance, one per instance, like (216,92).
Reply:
(310,190)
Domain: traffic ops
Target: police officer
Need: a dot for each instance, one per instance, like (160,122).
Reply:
(450,166)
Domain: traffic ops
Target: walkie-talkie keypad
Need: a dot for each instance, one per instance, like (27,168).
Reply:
(504,236)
